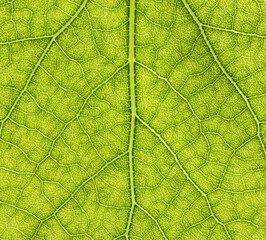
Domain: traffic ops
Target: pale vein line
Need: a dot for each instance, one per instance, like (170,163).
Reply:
(200,26)
(155,220)
(172,87)
(185,173)
(40,60)
(131,59)
(77,189)
(24,40)
(233,31)
(20,209)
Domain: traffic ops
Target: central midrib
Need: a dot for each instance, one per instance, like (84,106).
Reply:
(131,59)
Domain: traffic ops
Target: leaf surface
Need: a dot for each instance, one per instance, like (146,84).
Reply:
(139,119)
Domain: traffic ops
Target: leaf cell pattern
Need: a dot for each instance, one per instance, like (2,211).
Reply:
(138,119)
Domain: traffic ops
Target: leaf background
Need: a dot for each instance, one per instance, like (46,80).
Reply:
(132,119)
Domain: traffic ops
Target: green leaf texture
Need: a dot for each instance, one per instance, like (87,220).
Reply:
(140,119)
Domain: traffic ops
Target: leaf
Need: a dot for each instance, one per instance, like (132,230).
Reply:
(141,119)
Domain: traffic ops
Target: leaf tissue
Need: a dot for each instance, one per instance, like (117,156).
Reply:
(133,119)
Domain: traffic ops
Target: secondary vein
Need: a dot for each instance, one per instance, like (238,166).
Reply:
(239,90)
(46,49)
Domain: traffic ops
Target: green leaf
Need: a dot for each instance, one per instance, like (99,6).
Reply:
(140,119)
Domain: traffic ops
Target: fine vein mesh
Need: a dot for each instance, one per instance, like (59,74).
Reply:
(132,119)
